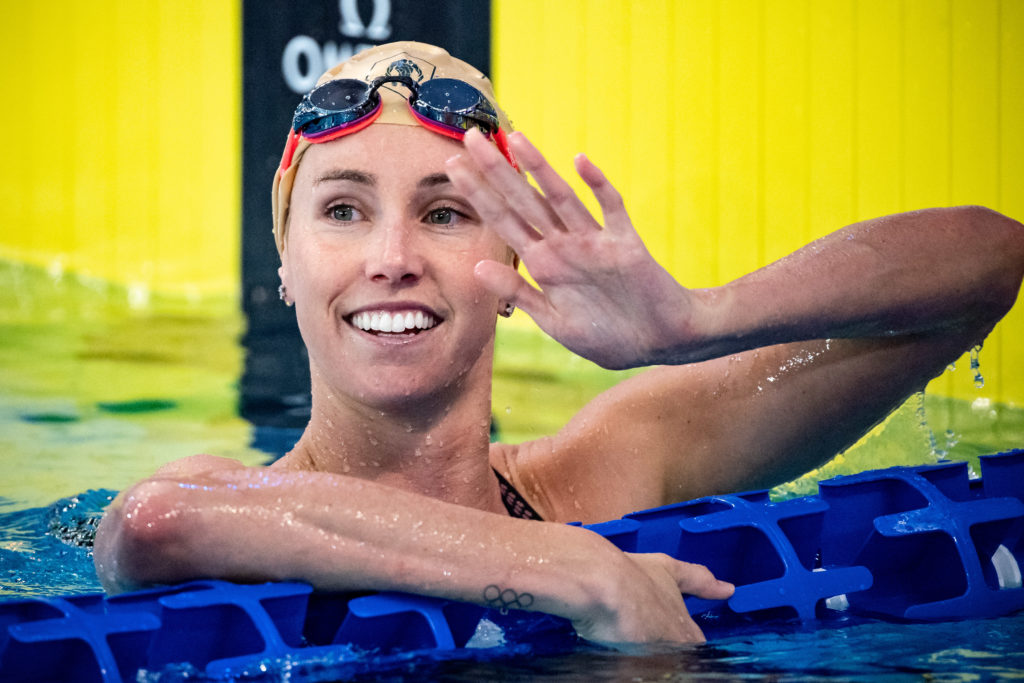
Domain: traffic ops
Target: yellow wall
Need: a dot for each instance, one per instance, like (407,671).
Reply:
(739,130)
(122,141)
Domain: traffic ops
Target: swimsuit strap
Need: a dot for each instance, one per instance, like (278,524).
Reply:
(515,503)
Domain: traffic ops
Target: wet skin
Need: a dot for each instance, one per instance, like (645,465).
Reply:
(390,486)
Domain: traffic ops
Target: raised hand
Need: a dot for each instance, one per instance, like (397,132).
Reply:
(601,293)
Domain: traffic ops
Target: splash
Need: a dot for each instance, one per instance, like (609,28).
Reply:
(922,421)
(952,439)
(979,381)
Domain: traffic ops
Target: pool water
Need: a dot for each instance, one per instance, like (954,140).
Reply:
(101,385)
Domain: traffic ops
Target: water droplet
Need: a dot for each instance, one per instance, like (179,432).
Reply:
(979,381)
(951,440)
(933,445)
(508,409)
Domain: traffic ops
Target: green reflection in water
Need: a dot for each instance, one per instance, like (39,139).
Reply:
(97,393)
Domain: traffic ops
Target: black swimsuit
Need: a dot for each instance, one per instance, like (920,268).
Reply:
(515,503)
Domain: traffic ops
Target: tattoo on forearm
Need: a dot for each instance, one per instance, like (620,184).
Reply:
(506,599)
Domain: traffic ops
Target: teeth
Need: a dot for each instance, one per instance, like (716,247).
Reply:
(386,321)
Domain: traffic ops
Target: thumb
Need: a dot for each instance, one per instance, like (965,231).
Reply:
(503,280)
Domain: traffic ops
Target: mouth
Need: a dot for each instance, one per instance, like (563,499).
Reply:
(386,323)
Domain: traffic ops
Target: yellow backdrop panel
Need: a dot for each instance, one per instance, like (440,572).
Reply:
(122,155)
(739,130)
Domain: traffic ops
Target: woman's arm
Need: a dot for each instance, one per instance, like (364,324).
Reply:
(603,296)
(339,533)
(784,367)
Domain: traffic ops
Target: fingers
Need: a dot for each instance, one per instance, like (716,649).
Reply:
(613,209)
(571,212)
(510,185)
(554,209)
(493,209)
(697,580)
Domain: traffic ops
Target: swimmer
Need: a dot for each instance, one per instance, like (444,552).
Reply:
(401,231)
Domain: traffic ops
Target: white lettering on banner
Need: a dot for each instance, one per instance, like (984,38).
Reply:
(304,59)
(351,23)
(298,48)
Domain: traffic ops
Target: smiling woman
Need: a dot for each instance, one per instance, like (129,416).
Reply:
(401,213)
(377,230)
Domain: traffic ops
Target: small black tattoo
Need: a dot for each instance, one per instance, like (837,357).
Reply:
(506,599)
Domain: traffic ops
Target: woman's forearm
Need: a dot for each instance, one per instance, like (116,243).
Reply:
(340,533)
(915,273)
(336,532)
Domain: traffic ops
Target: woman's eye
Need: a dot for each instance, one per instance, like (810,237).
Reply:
(442,216)
(342,212)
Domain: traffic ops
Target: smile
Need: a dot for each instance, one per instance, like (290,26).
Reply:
(393,322)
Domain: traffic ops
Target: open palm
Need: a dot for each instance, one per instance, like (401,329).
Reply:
(601,293)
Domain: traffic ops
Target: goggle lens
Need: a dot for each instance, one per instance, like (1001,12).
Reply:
(335,104)
(455,104)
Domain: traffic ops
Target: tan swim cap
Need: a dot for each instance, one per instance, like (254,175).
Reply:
(423,62)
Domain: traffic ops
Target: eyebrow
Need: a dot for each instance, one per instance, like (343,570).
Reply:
(347,174)
(433,180)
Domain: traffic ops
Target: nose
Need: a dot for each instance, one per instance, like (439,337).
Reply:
(393,257)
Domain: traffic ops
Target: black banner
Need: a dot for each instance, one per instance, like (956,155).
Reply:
(286,45)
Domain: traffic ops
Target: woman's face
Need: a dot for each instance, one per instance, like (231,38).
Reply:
(379,261)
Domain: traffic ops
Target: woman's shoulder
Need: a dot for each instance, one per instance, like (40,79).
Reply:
(196,464)
(592,470)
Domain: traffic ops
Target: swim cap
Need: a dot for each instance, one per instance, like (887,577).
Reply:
(421,62)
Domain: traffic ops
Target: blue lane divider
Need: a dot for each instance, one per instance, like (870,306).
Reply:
(919,543)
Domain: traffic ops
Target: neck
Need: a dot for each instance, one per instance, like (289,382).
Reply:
(436,445)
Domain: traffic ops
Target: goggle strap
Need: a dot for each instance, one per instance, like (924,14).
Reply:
(501,141)
(499,138)
(289,150)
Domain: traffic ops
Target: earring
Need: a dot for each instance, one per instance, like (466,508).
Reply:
(509,309)
(283,293)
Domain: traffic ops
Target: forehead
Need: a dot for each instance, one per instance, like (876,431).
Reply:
(390,152)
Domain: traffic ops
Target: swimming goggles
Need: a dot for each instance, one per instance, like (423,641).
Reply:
(344,106)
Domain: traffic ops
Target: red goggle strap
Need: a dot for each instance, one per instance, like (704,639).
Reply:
(499,138)
(289,151)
